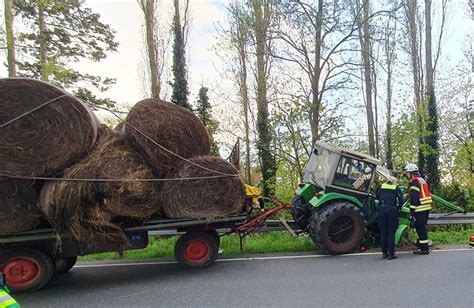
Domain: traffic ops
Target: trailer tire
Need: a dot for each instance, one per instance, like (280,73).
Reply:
(26,269)
(63,265)
(196,249)
(216,236)
(338,228)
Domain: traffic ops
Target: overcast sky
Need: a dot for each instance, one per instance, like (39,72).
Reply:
(125,17)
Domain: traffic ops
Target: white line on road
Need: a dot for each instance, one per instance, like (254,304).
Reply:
(257,258)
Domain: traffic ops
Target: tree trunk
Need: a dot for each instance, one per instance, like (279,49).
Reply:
(364,40)
(263,127)
(389,47)
(149,10)
(411,10)
(315,107)
(432,162)
(11,57)
(43,44)
(245,106)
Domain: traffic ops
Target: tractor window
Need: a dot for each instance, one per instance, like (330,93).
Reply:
(352,173)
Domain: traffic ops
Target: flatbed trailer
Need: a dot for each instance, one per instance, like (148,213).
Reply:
(32,258)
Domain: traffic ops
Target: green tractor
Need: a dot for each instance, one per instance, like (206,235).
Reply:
(336,203)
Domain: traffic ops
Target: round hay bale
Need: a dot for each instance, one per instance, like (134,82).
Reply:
(18,206)
(47,140)
(85,208)
(175,128)
(203,198)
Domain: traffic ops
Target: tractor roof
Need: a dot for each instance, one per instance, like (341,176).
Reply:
(341,150)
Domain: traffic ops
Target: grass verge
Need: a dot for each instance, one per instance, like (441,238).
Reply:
(278,241)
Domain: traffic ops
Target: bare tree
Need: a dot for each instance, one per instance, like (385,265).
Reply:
(314,39)
(366,52)
(149,8)
(239,39)
(390,56)
(11,56)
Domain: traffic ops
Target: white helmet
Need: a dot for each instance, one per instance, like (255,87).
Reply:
(411,167)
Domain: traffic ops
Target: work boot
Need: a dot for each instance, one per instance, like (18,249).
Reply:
(392,257)
(421,252)
(385,255)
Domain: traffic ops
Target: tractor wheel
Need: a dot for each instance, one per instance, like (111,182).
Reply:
(338,228)
(196,249)
(301,212)
(63,265)
(26,269)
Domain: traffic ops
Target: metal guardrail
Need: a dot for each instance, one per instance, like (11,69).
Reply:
(276,225)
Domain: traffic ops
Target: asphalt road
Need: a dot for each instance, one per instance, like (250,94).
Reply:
(442,279)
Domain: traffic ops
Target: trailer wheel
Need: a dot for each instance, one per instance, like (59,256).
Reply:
(338,228)
(196,249)
(216,236)
(26,269)
(63,265)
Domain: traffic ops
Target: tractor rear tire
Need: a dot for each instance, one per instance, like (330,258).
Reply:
(26,269)
(338,228)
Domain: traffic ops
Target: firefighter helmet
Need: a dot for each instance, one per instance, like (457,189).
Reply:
(411,168)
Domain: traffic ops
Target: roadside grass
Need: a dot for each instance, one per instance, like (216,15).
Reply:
(277,241)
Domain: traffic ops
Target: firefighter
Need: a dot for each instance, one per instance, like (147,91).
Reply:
(390,201)
(420,207)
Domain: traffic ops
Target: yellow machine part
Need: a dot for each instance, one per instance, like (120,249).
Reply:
(253,192)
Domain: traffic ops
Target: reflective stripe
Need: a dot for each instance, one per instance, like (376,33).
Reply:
(413,206)
(425,198)
(389,186)
(415,188)
(423,241)
(6,300)
(423,208)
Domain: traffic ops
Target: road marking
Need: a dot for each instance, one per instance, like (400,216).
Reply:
(260,258)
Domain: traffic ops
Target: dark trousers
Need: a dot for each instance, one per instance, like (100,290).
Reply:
(388,224)
(421,226)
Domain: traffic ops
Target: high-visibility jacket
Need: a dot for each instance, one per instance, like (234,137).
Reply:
(420,195)
(390,195)
(6,301)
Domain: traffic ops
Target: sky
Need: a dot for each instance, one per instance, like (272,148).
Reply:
(125,17)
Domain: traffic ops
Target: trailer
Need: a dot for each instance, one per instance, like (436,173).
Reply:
(31,259)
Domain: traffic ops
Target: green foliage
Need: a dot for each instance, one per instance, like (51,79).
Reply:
(204,112)
(66,32)
(458,195)
(458,237)
(87,96)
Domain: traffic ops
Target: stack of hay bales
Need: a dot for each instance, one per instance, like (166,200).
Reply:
(63,139)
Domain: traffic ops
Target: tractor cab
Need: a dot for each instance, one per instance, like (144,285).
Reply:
(336,169)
